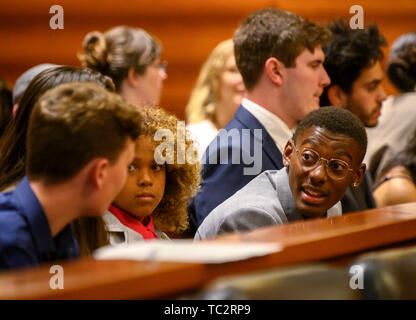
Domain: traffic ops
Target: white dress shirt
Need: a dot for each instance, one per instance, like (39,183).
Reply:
(275,126)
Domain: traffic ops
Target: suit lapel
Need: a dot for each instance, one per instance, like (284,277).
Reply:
(286,197)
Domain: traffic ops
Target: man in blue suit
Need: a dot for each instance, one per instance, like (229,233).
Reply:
(280,58)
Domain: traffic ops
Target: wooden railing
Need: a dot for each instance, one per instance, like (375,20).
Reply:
(315,240)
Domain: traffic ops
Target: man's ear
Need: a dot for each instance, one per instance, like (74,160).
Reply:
(14,110)
(287,152)
(274,70)
(98,172)
(358,175)
(337,96)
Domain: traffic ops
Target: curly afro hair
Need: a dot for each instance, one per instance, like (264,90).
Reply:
(182,180)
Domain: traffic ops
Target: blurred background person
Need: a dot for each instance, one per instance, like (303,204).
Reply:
(131,58)
(6,105)
(23,81)
(216,96)
(13,140)
(397,183)
(398,120)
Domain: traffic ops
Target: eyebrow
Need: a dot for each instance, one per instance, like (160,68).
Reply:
(317,61)
(337,152)
(309,140)
(375,81)
(343,153)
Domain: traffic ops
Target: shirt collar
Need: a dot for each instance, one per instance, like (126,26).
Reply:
(146,229)
(33,211)
(275,126)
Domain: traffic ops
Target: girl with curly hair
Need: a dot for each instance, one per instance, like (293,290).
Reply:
(153,202)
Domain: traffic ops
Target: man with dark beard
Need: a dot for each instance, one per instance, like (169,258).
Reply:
(352,60)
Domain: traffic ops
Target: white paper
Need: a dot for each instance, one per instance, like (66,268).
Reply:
(186,251)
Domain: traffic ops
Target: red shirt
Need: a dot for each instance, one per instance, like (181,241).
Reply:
(145,228)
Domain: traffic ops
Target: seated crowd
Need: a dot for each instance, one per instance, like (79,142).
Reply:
(277,131)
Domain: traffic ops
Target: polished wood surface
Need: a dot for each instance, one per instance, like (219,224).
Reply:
(314,240)
(93,279)
(188,29)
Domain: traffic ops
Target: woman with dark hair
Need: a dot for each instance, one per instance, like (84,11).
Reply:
(398,115)
(13,140)
(13,144)
(401,67)
(397,183)
(6,105)
(131,58)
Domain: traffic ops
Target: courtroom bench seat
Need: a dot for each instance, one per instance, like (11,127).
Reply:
(312,281)
(390,274)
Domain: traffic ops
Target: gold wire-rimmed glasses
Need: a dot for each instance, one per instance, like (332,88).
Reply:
(337,169)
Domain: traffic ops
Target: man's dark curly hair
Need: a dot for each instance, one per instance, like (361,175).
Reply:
(349,52)
(337,120)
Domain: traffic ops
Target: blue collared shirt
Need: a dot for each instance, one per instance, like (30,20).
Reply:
(25,236)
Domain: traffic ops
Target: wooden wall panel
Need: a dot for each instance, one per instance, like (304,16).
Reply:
(188,29)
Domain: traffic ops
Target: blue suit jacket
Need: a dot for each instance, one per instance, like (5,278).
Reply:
(221,181)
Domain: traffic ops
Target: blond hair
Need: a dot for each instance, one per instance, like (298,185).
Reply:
(201,104)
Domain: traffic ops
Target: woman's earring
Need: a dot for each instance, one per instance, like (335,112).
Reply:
(286,163)
(355,185)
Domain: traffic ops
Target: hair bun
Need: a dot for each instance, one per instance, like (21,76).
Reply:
(401,75)
(95,52)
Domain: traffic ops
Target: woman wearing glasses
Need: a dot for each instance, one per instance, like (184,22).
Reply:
(131,58)
(322,160)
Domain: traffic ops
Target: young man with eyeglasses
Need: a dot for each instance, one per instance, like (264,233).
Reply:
(280,59)
(321,161)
